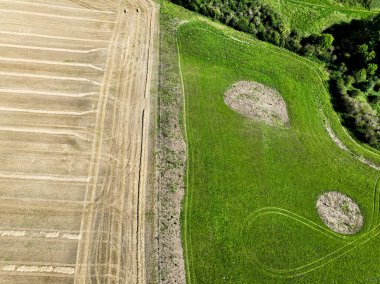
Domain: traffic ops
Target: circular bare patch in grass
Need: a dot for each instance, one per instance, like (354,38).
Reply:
(340,213)
(257,101)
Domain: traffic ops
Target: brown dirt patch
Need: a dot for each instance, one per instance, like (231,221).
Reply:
(340,213)
(257,101)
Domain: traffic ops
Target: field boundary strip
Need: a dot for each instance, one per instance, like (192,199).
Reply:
(189,153)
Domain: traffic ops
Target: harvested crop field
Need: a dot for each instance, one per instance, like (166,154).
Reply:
(75,78)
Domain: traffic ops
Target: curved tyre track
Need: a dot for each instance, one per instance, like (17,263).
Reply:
(372,232)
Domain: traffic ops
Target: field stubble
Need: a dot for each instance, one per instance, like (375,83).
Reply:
(74,117)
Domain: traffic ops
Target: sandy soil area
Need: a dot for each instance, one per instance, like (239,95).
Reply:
(340,213)
(257,101)
(75,84)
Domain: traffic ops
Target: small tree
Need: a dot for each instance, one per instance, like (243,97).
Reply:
(372,68)
(350,80)
(360,75)
(326,40)
(341,87)
(284,30)
(370,56)
(275,38)
(242,24)
(354,93)
(363,49)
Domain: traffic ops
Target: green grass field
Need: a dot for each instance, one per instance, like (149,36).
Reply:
(313,16)
(375,4)
(249,214)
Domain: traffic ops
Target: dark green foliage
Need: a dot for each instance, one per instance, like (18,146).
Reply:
(251,16)
(355,69)
(349,80)
(362,120)
(293,42)
(341,87)
(372,68)
(318,45)
(325,40)
(360,75)
(354,93)
(376,87)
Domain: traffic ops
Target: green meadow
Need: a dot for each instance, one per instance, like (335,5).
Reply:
(313,16)
(249,213)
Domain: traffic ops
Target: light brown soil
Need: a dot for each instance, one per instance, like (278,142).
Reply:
(340,213)
(257,101)
(75,81)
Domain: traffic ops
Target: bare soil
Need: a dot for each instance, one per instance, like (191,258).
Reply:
(340,213)
(258,102)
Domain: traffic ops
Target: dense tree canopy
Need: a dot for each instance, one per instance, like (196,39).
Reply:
(355,81)
(251,16)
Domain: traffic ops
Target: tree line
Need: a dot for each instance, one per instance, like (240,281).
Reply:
(354,77)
